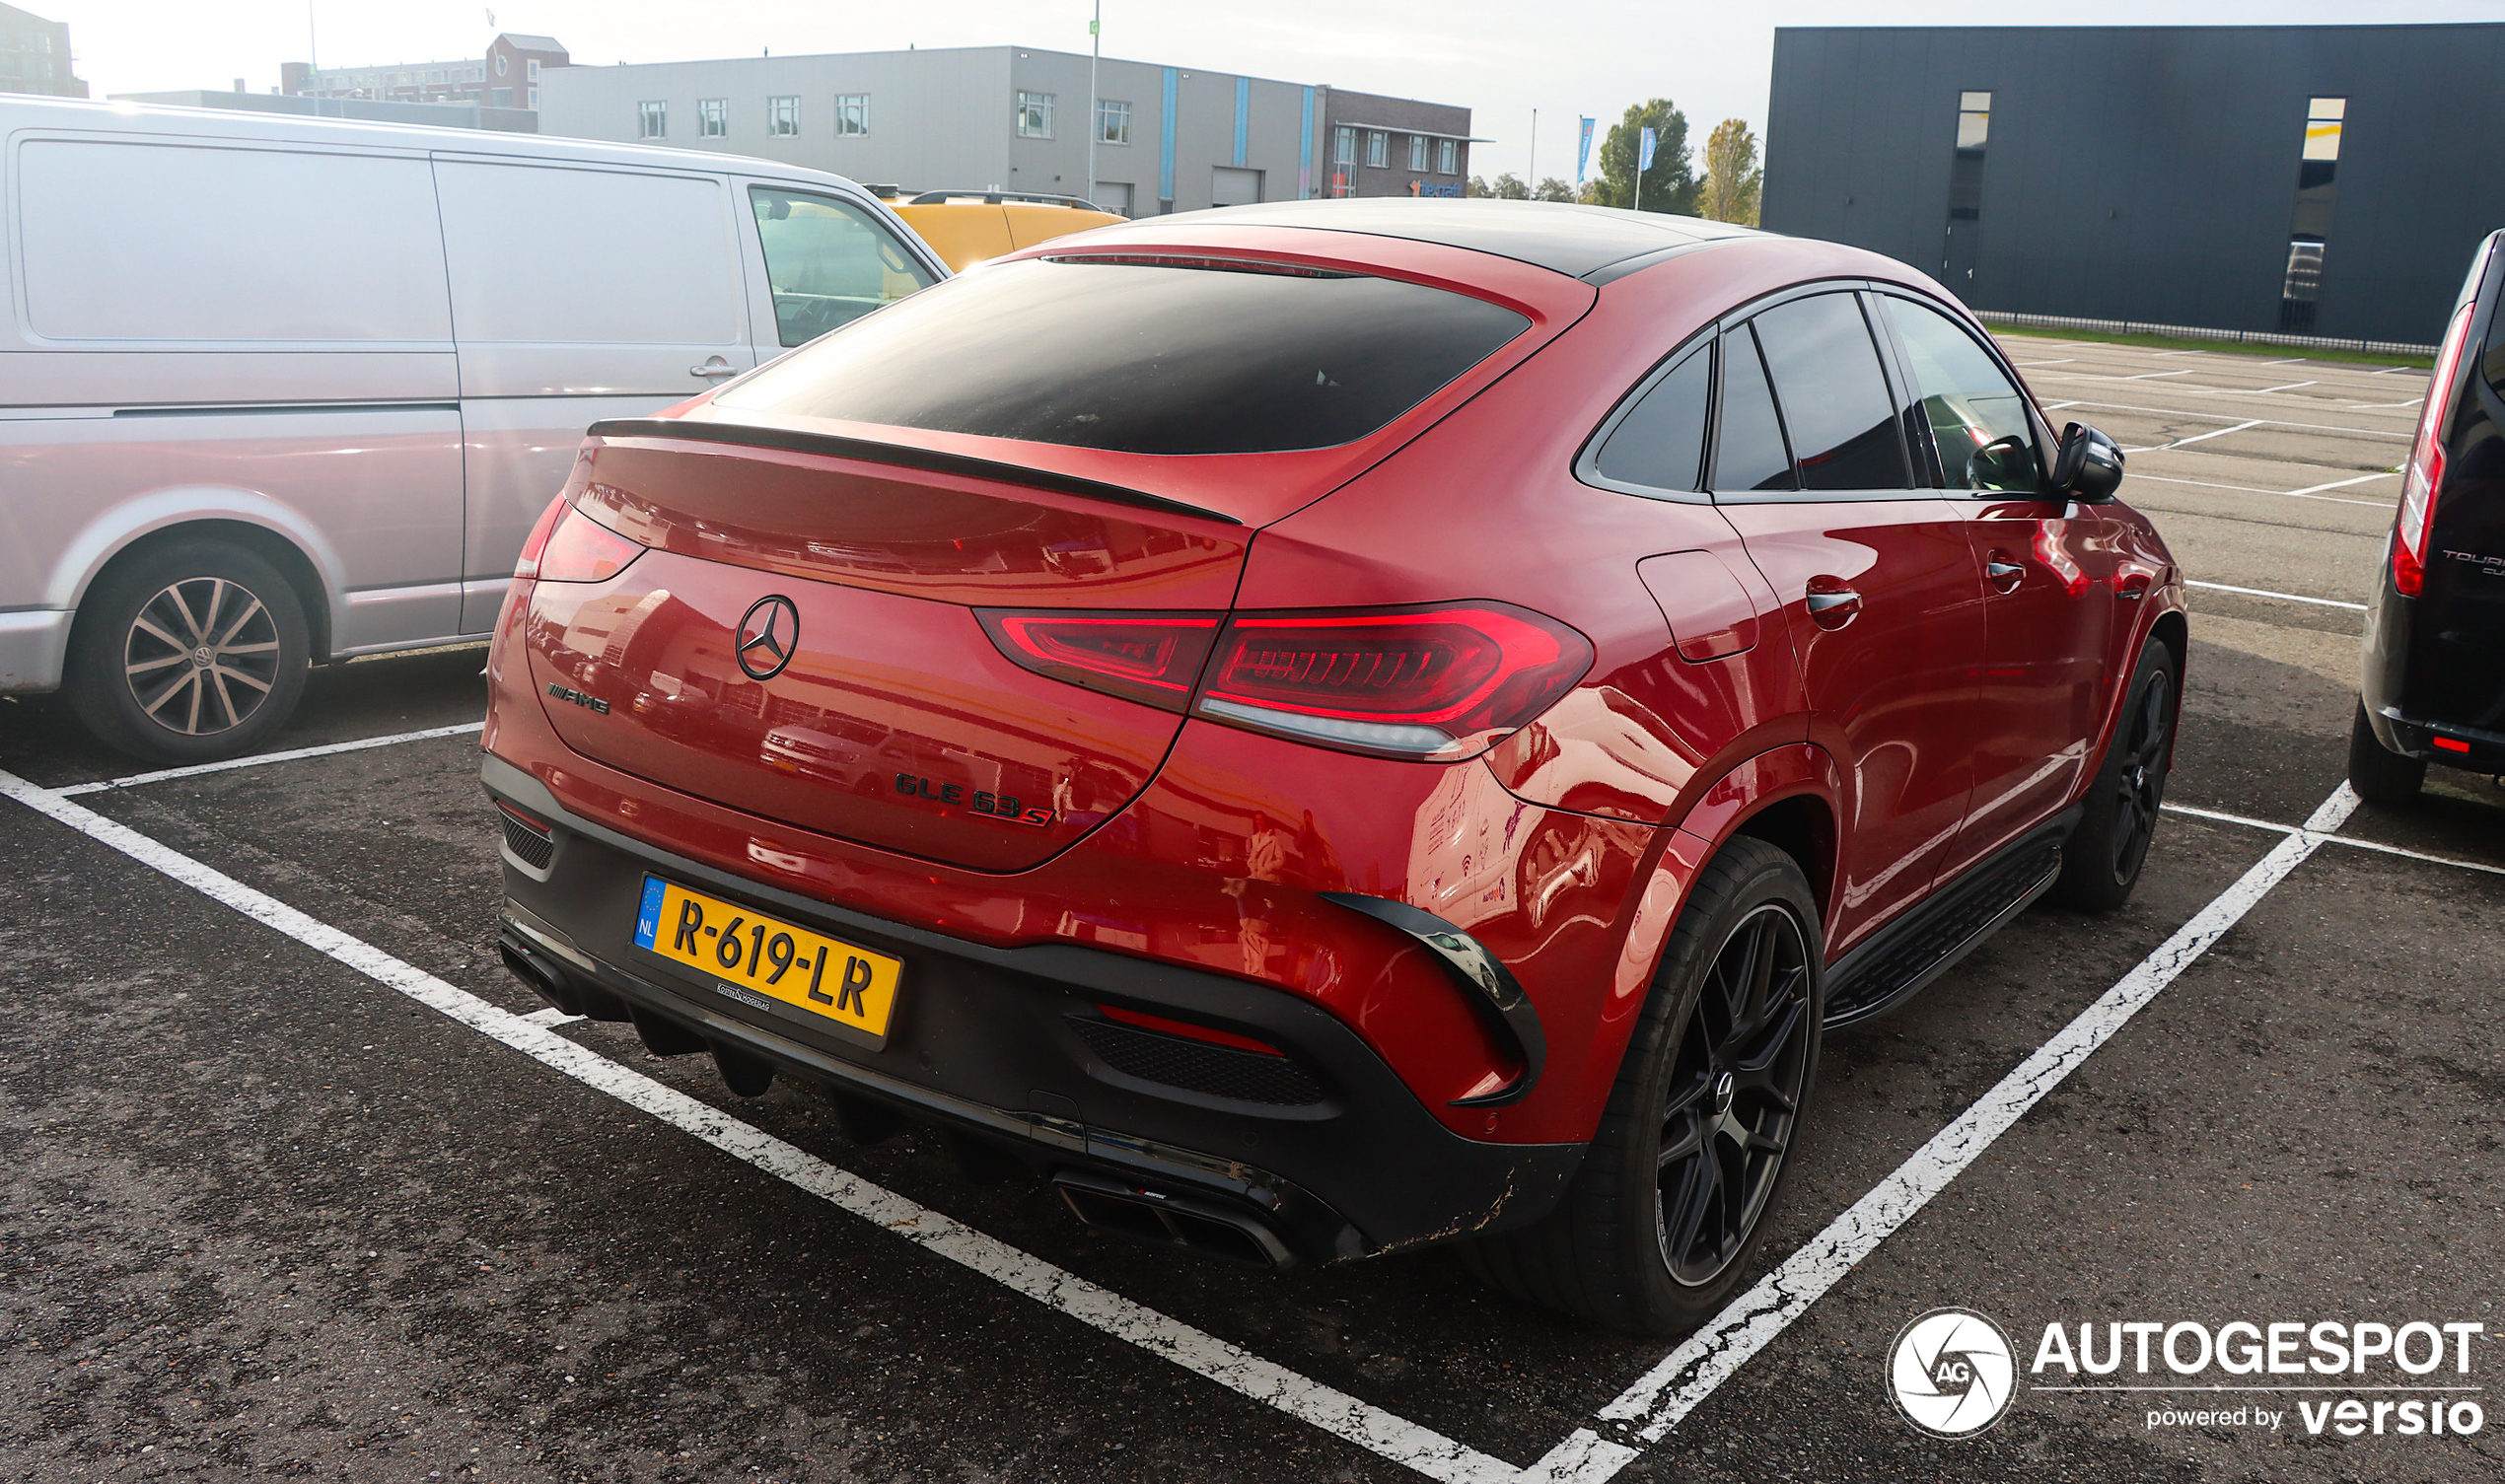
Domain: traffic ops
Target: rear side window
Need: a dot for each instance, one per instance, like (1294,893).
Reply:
(541,255)
(827,261)
(1661,441)
(1835,403)
(1750,452)
(1141,357)
(1973,408)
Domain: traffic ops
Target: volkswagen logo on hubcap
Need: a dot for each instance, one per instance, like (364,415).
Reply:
(768,634)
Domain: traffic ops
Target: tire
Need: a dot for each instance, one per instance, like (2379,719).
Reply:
(187,654)
(2100,861)
(2379,774)
(1647,1238)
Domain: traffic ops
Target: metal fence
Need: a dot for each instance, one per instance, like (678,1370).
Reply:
(2191,332)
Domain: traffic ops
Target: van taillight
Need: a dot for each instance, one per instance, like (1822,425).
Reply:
(2423,477)
(1438,682)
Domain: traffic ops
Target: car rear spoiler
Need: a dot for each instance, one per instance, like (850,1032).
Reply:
(794,441)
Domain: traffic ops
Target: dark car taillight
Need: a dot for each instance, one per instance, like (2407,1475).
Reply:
(2423,477)
(1436,682)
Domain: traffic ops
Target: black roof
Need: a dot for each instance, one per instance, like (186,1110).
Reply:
(1565,238)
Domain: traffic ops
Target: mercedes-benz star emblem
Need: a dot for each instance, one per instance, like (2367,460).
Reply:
(768,634)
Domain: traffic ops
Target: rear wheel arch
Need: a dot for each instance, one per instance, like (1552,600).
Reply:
(270,545)
(1801,824)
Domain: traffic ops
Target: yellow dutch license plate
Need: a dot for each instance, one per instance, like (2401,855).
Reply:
(748,953)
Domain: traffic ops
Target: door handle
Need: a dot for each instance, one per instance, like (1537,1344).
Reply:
(1831,605)
(714,366)
(2004,576)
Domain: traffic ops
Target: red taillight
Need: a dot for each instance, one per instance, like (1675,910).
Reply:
(2423,477)
(583,550)
(1436,682)
(1153,657)
(2451,744)
(527,566)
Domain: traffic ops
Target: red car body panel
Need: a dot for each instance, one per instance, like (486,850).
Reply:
(1567,850)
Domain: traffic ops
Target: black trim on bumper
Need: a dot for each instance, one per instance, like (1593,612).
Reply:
(2415,738)
(982,1042)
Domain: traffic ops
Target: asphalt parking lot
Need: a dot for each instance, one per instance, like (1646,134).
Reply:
(301,1183)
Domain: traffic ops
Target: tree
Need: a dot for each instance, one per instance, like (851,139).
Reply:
(1733,180)
(1553,189)
(1509,187)
(1671,185)
(1478,186)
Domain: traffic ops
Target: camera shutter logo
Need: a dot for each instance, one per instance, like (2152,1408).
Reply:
(768,634)
(1953,1372)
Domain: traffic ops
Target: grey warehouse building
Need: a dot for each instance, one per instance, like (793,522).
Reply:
(1017,118)
(2321,179)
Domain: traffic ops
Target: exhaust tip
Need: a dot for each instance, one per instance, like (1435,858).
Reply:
(1173,1221)
(538,972)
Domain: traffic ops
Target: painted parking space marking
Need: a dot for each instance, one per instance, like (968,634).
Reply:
(2197,437)
(1382,1433)
(2254,489)
(2377,846)
(1700,1364)
(2267,422)
(2329,602)
(2316,489)
(160,775)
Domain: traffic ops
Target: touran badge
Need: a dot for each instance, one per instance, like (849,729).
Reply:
(768,633)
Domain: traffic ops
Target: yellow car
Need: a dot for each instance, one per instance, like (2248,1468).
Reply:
(966,226)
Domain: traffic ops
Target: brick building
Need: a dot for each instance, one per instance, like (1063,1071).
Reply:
(506,77)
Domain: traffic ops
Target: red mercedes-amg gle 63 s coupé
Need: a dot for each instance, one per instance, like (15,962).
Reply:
(1336,725)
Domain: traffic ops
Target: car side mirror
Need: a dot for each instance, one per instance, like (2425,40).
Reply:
(2089,466)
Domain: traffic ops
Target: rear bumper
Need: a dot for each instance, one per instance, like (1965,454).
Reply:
(2453,745)
(1337,1157)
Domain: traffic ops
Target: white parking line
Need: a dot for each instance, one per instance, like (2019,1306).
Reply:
(325,750)
(1334,1411)
(2290,386)
(2377,846)
(1701,1363)
(2329,602)
(2316,489)
(2254,489)
(2196,437)
(2267,422)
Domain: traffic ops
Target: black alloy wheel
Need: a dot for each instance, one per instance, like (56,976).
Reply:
(1657,1229)
(1734,1097)
(2117,820)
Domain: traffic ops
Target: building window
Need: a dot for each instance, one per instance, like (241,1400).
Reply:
(1377,149)
(1035,115)
(1343,145)
(534,98)
(2310,226)
(1112,121)
(782,116)
(501,64)
(503,98)
(852,115)
(1965,191)
(652,120)
(1417,152)
(530,69)
(1448,157)
(713,118)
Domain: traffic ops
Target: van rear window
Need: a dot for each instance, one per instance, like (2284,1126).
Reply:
(1157,356)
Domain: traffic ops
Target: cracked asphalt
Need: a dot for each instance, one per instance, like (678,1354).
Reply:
(262,1215)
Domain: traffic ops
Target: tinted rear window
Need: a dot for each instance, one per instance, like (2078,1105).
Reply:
(1141,358)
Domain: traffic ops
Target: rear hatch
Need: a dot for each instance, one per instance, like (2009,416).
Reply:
(895,722)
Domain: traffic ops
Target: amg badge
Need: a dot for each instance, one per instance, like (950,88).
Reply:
(588,702)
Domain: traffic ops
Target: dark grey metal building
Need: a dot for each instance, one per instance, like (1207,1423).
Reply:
(2316,179)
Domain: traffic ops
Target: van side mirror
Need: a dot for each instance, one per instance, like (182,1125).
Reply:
(2089,466)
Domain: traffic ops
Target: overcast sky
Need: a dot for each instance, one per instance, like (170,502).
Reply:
(1501,60)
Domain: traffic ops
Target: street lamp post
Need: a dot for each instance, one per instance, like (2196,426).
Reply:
(1095,126)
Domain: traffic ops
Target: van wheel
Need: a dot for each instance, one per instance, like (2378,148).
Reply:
(2379,774)
(1656,1231)
(188,654)
(2100,861)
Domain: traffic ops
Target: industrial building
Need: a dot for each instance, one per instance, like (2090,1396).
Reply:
(2326,180)
(34,55)
(1018,118)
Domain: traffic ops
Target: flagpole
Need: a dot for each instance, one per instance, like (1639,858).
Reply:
(1639,170)
(1530,171)
(1095,126)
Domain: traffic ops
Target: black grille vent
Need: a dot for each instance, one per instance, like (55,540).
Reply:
(1216,1071)
(532,846)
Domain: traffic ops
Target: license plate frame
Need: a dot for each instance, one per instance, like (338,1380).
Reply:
(837,985)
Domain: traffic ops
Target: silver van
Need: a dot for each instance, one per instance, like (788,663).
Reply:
(275,391)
